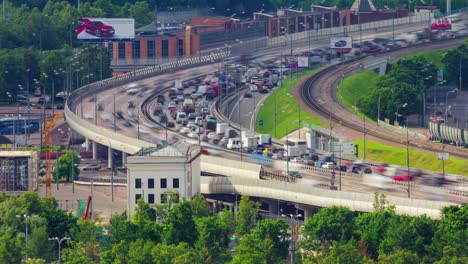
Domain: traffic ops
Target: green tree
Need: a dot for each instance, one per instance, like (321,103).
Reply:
(121,229)
(117,254)
(400,257)
(277,231)
(11,249)
(63,166)
(200,206)
(451,256)
(36,261)
(452,232)
(345,253)
(371,227)
(212,237)
(181,253)
(330,224)
(453,60)
(247,215)
(140,252)
(253,249)
(229,220)
(180,226)
(398,236)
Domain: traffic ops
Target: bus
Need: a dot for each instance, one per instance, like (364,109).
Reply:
(21,125)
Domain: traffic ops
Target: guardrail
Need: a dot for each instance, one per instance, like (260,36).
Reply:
(106,136)
(420,18)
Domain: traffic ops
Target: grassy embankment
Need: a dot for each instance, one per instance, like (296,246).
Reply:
(286,109)
(356,85)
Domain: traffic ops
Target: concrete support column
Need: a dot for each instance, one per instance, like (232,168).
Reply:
(308,210)
(88,144)
(124,158)
(110,157)
(95,150)
(272,206)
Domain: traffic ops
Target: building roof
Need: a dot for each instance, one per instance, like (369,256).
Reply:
(363,6)
(178,149)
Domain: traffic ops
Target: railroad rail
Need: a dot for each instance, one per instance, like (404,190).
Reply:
(318,94)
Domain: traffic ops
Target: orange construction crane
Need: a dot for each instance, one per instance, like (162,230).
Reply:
(47,131)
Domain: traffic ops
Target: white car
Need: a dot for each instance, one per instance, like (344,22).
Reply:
(328,165)
(192,135)
(205,111)
(185,130)
(199,120)
(212,135)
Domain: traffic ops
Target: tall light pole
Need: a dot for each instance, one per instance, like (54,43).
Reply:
(26,218)
(59,242)
(292,245)
(446,104)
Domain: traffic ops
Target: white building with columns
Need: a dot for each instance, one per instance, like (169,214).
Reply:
(154,171)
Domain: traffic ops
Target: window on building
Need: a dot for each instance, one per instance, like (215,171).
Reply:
(163,198)
(165,47)
(138,183)
(137,197)
(163,183)
(175,183)
(151,48)
(136,49)
(150,183)
(121,50)
(180,47)
(336,19)
(151,198)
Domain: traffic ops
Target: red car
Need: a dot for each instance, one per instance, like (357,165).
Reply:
(99,29)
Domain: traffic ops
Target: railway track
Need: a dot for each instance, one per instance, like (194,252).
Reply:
(318,94)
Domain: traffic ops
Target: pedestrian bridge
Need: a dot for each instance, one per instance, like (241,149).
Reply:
(236,177)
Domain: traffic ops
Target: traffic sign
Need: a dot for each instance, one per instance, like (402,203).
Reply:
(443,156)
(260,122)
(346,148)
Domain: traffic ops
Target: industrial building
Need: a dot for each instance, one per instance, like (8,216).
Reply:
(18,171)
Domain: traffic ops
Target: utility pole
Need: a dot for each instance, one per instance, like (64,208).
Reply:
(5,6)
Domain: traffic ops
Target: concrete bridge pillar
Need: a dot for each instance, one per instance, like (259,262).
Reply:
(124,158)
(272,206)
(308,210)
(95,150)
(110,154)
(88,144)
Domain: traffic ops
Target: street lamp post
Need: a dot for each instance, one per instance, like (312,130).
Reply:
(59,242)
(446,104)
(292,245)
(26,218)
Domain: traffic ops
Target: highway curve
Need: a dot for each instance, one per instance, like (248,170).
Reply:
(317,93)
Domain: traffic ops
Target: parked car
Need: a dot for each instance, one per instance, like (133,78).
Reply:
(131,104)
(119,114)
(328,165)
(59,106)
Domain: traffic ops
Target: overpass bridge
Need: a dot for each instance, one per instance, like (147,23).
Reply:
(242,179)
(235,177)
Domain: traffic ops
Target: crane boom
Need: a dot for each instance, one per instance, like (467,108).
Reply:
(47,131)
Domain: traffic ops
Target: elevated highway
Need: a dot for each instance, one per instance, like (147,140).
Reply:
(128,143)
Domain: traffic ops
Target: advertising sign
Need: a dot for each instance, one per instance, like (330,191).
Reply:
(105,29)
(440,75)
(292,61)
(341,44)
(442,156)
(441,23)
(303,62)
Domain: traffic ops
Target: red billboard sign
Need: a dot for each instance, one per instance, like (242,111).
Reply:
(105,29)
(441,23)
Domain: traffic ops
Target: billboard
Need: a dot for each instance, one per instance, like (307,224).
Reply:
(105,29)
(291,61)
(441,23)
(341,44)
(303,62)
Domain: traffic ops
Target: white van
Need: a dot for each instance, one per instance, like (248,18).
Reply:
(234,143)
(181,117)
